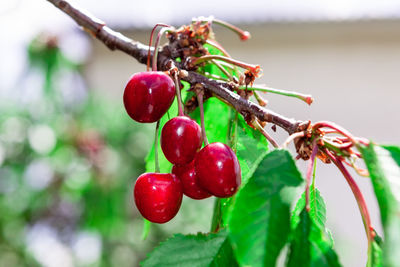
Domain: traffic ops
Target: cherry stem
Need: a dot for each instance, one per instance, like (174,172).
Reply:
(340,146)
(264,132)
(310,168)
(200,95)
(156,44)
(218,46)
(253,68)
(224,71)
(215,77)
(156,163)
(261,101)
(291,138)
(335,127)
(360,171)
(243,35)
(358,196)
(151,41)
(178,94)
(306,98)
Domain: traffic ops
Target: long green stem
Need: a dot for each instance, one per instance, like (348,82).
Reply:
(270,139)
(306,98)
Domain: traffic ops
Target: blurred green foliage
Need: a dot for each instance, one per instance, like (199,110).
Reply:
(67,174)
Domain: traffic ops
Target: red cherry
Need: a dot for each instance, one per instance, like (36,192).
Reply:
(218,170)
(187,175)
(148,96)
(181,139)
(158,196)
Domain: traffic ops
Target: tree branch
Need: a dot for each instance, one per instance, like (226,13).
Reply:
(116,41)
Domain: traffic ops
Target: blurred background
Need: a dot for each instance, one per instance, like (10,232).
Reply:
(69,154)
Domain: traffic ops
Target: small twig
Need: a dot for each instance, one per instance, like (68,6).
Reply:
(224,71)
(291,138)
(264,132)
(306,98)
(217,45)
(261,101)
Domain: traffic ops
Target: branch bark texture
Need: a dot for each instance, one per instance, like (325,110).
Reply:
(117,41)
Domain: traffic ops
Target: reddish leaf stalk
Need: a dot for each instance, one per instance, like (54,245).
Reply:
(335,127)
(362,205)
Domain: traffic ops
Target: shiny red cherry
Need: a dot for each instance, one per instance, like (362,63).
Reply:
(181,139)
(158,196)
(187,175)
(218,170)
(148,96)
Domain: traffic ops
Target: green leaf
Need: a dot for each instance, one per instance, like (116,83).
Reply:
(394,152)
(300,247)
(317,209)
(251,147)
(192,251)
(383,166)
(310,243)
(376,257)
(259,225)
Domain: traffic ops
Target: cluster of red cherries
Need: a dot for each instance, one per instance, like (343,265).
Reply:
(197,172)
